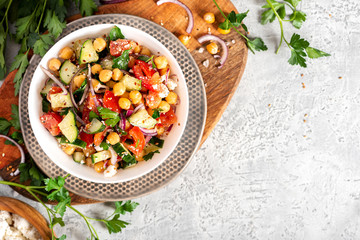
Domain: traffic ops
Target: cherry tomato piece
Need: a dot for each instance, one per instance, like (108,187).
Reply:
(51,121)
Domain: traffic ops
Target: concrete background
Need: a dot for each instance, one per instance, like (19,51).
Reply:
(283,162)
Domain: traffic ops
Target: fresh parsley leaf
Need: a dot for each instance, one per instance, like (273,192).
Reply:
(156,113)
(299,18)
(122,208)
(43,44)
(157,142)
(93,115)
(24,171)
(115,225)
(60,208)
(21,62)
(115,33)
(297,58)
(59,7)
(104,145)
(144,58)
(53,23)
(15,122)
(106,113)
(29,171)
(2,51)
(256,44)
(17,136)
(150,155)
(25,25)
(122,61)
(236,19)
(298,53)
(112,121)
(4,126)
(87,7)
(46,106)
(225,25)
(57,220)
(315,53)
(293,3)
(269,15)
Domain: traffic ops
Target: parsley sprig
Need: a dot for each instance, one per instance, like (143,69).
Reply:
(53,189)
(32,19)
(300,48)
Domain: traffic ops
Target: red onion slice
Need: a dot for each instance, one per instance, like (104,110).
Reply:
(112,1)
(20,149)
(90,80)
(86,91)
(147,139)
(78,118)
(57,81)
(141,106)
(225,53)
(129,113)
(148,132)
(72,87)
(114,156)
(167,75)
(122,123)
(190,15)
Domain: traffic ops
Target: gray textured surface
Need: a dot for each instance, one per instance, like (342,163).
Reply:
(264,173)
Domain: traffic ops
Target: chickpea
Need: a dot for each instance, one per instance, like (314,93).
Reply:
(117,74)
(160,129)
(171,98)
(137,49)
(105,75)
(164,106)
(155,78)
(222,31)
(164,70)
(69,150)
(96,69)
(110,84)
(54,64)
(88,162)
(66,53)
(161,62)
(113,138)
(119,89)
(78,80)
(99,167)
(99,44)
(135,97)
(124,103)
(209,17)
(131,62)
(184,39)
(212,48)
(145,51)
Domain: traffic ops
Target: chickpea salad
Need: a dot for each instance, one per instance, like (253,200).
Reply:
(109,101)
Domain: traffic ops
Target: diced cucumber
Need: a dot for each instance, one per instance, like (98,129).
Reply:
(100,156)
(47,88)
(95,126)
(142,119)
(67,71)
(107,63)
(77,143)
(79,157)
(77,47)
(150,148)
(120,149)
(68,127)
(131,83)
(59,100)
(88,53)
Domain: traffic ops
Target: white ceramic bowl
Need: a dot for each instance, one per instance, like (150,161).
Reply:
(49,143)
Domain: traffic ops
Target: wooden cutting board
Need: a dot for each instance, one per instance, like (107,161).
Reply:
(220,84)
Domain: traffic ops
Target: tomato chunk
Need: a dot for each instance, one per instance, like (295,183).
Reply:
(139,141)
(111,101)
(51,121)
(153,100)
(119,46)
(88,138)
(168,118)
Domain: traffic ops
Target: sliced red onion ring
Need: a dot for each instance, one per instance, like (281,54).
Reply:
(167,75)
(225,53)
(141,106)
(57,81)
(147,139)
(72,87)
(112,1)
(90,80)
(78,118)
(129,113)
(86,91)
(114,156)
(20,149)
(122,123)
(190,15)
(148,132)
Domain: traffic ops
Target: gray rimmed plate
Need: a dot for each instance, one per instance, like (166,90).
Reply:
(182,154)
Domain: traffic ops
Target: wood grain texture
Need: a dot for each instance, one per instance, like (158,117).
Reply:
(220,84)
(29,213)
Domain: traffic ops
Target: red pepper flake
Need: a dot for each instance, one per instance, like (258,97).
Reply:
(340,77)
(269,105)
(301,75)
(303,85)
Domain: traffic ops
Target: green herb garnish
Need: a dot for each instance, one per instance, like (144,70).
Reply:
(115,33)
(150,155)
(122,61)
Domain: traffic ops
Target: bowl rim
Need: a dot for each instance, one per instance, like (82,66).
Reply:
(182,80)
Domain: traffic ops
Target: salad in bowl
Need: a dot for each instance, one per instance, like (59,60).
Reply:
(109,102)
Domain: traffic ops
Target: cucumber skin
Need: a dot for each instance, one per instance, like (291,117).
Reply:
(86,49)
(98,157)
(69,117)
(138,119)
(76,158)
(69,65)
(102,128)
(77,143)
